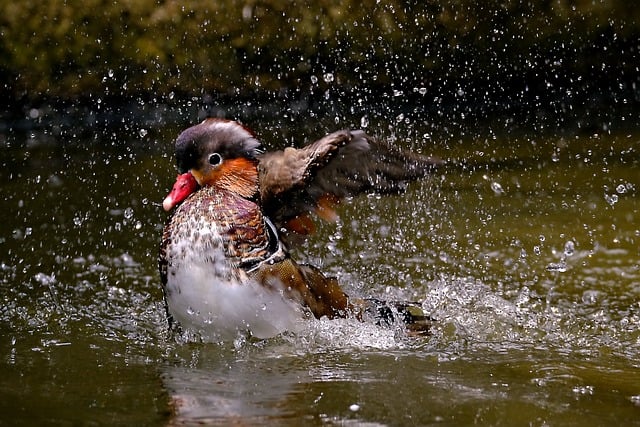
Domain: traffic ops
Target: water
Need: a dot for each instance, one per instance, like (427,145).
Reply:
(525,250)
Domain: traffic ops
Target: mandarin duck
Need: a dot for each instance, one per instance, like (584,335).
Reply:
(224,265)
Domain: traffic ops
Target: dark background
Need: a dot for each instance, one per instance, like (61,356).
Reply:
(458,62)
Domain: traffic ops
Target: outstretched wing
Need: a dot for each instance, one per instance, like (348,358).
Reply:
(296,182)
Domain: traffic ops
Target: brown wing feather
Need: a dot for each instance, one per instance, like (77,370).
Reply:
(282,171)
(295,182)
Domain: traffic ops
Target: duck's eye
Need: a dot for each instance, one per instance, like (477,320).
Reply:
(215,159)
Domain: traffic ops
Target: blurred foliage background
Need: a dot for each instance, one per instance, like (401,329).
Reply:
(478,56)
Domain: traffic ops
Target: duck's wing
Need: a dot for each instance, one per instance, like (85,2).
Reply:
(307,285)
(297,182)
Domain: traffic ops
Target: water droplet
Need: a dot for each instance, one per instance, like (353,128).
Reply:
(536,250)
(239,342)
(314,79)
(142,133)
(542,238)
(590,296)
(497,188)
(559,267)
(586,390)
(364,121)
(612,199)
(247,12)
(354,407)
(328,77)
(621,189)
(45,279)
(569,248)
(128,213)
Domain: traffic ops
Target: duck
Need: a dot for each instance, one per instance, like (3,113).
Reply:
(225,265)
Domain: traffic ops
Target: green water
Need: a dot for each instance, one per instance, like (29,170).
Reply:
(525,248)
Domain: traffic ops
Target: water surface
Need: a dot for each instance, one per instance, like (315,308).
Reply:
(525,249)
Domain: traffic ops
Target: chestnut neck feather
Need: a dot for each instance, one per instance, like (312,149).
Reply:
(239,176)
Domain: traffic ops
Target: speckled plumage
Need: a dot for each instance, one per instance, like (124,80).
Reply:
(209,248)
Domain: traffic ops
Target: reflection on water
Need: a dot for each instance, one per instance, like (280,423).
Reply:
(526,253)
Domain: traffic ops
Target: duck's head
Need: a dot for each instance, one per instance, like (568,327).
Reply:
(219,153)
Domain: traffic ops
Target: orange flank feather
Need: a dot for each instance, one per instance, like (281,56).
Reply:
(302,224)
(325,207)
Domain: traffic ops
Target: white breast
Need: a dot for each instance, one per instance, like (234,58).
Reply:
(208,297)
